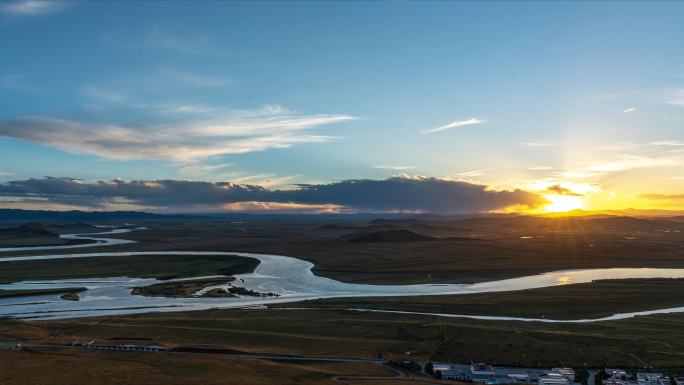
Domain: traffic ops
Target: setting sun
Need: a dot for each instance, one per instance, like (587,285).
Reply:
(563,203)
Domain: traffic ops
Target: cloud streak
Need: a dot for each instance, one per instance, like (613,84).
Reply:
(539,144)
(631,163)
(396,168)
(662,197)
(34,7)
(454,124)
(468,174)
(398,194)
(195,79)
(188,136)
(671,143)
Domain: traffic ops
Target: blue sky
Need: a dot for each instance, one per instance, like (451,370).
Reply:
(588,95)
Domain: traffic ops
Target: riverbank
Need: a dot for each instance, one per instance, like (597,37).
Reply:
(163,267)
(35,292)
(591,300)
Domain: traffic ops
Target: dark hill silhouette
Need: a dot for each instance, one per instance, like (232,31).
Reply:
(18,215)
(27,230)
(391,236)
(338,227)
(398,236)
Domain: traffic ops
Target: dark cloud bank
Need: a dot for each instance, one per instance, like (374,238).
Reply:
(394,194)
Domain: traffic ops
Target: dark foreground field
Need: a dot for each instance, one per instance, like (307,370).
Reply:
(566,302)
(644,341)
(142,266)
(72,366)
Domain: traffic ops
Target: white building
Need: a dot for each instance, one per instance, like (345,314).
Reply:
(565,372)
(653,378)
(553,378)
(519,376)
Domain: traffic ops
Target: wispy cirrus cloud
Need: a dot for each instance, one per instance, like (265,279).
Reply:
(630,109)
(102,94)
(575,174)
(675,97)
(536,143)
(662,197)
(266,180)
(17,82)
(34,7)
(670,143)
(191,43)
(633,162)
(469,174)
(202,170)
(454,124)
(184,137)
(397,168)
(196,79)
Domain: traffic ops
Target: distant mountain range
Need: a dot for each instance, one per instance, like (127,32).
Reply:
(18,215)
(620,213)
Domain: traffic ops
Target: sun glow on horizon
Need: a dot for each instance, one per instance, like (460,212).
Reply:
(563,203)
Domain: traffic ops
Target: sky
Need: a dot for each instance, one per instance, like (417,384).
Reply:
(342,106)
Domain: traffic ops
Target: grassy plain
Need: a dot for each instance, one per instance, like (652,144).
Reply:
(68,367)
(30,292)
(38,234)
(498,247)
(182,289)
(577,301)
(644,341)
(148,266)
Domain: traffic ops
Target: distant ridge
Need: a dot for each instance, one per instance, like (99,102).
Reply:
(27,230)
(397,236)
(17,215)
(641,213)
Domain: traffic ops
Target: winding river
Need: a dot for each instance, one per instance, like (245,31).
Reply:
(289,277)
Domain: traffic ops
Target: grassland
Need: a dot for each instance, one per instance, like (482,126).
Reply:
(31,292)
(67,367)
(577,301)
(38,234)
(329,330)
(654,340)
(180,289)
(499,247)
(148,266)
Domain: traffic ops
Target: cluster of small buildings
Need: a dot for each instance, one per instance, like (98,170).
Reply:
(621,377)
(124,347)
(487,374)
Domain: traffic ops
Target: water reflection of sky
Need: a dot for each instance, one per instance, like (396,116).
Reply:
(289,277)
